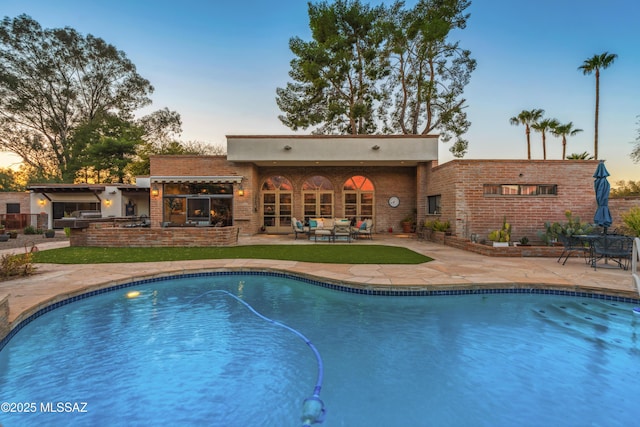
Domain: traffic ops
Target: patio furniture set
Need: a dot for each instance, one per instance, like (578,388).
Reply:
(330,229)
(598,248)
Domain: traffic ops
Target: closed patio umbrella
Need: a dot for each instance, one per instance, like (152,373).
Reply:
(602,187)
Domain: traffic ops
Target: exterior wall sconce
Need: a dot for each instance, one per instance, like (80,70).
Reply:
(42,202)
(154,191)
(240,191)
(287,147)
(375,147)
(107,202)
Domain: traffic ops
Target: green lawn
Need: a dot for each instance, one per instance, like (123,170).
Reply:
(338,254)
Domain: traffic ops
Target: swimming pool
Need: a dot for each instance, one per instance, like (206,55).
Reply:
(180,354)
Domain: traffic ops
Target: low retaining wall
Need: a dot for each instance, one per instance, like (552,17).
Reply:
(99,235)
(510,251)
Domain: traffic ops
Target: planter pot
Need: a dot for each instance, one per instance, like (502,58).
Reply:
(50,234)
(406,227)
(500,244)
(4,237)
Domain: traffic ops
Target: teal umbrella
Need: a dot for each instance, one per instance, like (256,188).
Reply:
(602,187)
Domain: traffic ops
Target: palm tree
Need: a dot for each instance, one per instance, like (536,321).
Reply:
(581,156)
(527,118)
(543,126)
(563,131)
(595,63)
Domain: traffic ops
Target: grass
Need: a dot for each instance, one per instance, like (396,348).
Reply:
(335,254)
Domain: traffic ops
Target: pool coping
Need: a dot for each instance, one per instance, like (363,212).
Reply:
(64,298)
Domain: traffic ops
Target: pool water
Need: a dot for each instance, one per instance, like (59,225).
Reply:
(178,354)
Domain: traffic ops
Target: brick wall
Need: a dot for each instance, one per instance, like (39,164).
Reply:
(15,197)
(106,235)
(460,182)
(620,206)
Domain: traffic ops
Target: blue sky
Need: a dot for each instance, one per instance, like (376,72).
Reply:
(219,63)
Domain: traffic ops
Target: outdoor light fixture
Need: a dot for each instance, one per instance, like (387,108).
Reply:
(375,147)
(240,191)
(42,202)
(154,191)
(107,202)
(287,147)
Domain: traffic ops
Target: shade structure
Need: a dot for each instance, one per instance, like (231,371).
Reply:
(601,186)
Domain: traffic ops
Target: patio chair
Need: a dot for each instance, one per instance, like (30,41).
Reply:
(615,248)
(572,245)
(342,228)
(363,230)
(299,228)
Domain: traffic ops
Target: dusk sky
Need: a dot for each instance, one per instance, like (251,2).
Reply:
(218,64)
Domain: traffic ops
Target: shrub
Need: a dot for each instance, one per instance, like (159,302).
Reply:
(571,227)
(16,265)
(437,225)
(631,220)
(30,229)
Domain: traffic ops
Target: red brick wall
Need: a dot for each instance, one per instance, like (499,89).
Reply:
(620,206)
(387,182)
(15,197)
(460,182)
(105,235)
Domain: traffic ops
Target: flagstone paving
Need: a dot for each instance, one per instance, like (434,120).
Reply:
(451,269)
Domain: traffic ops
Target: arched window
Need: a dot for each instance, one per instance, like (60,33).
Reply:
(277,200)
(358,193)
(317,193)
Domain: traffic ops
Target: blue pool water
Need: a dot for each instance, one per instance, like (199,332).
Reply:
(179,354)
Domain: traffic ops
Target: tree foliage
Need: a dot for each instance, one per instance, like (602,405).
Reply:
(380,69)
(54,80)
(336,74)
(594,65)
(562,131)
(544,126)
(625,188)
(428,72)
(635,153)
(527,118)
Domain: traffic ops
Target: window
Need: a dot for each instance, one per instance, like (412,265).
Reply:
(520,189)
(433,204)
(358,197)
(317,196)
(13,208)
(197,204)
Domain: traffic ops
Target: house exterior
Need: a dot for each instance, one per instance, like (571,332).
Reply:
(56,201)
(266,181)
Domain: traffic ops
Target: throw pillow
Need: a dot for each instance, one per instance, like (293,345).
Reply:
(359,224)
(363,226)
(313,223)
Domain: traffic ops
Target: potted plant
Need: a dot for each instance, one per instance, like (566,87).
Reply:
(13,234)
(501,237)
(407,224)
(524,241)
(50,233)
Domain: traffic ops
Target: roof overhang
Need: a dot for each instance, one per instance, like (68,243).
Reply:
(333,150)
(233,179)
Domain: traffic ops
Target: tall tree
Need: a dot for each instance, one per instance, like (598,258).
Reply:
(591,65)
(52,80)
(527,118)
(428,71)
(336,74)
(564,130)
(379,69)
(543,126)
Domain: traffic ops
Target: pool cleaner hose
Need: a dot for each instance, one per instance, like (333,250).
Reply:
(313,410)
